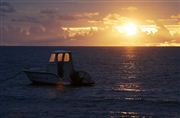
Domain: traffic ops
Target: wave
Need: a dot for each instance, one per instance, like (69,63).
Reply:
(139,100)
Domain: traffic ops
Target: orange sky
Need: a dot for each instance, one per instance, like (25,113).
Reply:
(90,23)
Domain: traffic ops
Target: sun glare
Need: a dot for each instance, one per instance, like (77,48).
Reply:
(129,29)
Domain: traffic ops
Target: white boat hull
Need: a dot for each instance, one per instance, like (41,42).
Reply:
(43,77)
(80,78)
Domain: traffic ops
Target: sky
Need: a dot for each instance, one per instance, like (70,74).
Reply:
(90,22)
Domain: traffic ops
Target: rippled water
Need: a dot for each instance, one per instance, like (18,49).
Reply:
(130,82)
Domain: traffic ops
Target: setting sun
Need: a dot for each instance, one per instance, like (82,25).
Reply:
(129,29)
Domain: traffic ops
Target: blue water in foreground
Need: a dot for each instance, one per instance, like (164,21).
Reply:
(130,82)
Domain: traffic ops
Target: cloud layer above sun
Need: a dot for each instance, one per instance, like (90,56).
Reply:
(90,23)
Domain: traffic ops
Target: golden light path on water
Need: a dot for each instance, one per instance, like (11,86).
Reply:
(129,67)
(123,114)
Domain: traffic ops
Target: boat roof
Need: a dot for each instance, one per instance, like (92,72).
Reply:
(61,51)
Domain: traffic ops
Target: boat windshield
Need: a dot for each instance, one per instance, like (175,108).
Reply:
(66,57)
(52,57)
(60,57)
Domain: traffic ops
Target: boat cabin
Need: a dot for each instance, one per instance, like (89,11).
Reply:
(60,63)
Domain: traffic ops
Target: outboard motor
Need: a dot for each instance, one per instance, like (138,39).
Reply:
(80,78)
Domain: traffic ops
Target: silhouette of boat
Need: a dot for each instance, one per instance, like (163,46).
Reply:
(59,70)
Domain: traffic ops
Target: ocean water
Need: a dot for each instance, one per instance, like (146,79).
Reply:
(130,82)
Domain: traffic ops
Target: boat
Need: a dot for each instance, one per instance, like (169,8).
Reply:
(59,70)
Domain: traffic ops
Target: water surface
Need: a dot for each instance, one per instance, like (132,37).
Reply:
(130,82)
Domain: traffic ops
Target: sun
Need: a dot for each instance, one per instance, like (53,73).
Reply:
(129,28)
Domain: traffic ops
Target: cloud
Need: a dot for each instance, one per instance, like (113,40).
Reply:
(31,35)
(149,21)
(175,16)
(130,8)
(169,21)
(114,19)
(110,36)
(73,16)
(79,16)
(6,7)
(49,11)
(41,28)
(29,19)
(66,17)
(53,14)
(87,15)
(2,15)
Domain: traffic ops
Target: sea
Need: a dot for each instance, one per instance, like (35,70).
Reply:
(130,82)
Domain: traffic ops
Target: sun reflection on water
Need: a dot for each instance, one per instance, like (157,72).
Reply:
(129,63)
(129,87)
(129,73)
(124,114)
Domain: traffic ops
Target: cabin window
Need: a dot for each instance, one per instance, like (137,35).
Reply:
(66,57)
(60,57)
(52,57)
